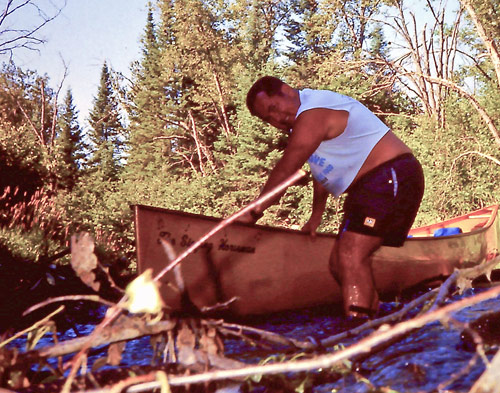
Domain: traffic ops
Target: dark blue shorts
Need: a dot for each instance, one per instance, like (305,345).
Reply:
(385,200)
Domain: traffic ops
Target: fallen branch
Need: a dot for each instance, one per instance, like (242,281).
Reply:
(74,298)
(231,328)
(125,328)
(383,334)
(33,327)
(488,381)
(373,324)
(463,278)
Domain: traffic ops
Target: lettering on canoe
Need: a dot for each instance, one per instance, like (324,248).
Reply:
(186,241)
(225,246)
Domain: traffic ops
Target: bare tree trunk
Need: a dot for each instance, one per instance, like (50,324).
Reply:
(226,125)
(484,115)
(427,51)
(488,42)
(197,142)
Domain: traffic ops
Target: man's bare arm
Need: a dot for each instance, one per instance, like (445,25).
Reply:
(311,128)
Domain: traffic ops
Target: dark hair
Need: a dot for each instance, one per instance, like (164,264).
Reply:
(268,84)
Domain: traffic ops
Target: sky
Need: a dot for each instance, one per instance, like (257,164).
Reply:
(83,36)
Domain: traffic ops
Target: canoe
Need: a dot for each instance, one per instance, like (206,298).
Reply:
(266,269)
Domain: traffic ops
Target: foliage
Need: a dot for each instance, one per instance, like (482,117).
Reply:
(106,131)
(70,148)
(191,144)
(22,154)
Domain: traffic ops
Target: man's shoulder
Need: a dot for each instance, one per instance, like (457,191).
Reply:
(310,98)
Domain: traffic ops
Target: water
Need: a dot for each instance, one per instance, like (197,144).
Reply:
(430,359)
(426,360)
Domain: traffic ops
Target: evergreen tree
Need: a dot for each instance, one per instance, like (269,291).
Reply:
(107,133)
(69,145)
(148,151)
(186,79)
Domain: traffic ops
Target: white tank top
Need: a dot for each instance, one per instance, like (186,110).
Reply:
(337,161)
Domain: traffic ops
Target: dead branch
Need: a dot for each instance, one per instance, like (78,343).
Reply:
(27,38)
(463,279)
(383,334)
(125,328)
(114,312)
(484,115)
(33,327)
(467,153)
(225,124)
(488,41)
(169,137)
(444,290)
(93,298)
(264,335)
(197,143)
(373,324)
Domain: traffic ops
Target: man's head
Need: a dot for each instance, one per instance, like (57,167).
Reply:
(273,101)
(267,84)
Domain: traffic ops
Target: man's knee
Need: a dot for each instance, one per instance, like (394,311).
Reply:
(352,251)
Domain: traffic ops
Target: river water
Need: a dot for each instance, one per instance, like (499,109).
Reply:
(431,359)
(425,361)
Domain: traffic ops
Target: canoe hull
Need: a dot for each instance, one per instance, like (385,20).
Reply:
(270,269)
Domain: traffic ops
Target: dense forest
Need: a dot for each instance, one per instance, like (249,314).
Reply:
(178,135)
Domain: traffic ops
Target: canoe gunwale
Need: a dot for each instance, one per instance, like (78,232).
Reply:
(489,223)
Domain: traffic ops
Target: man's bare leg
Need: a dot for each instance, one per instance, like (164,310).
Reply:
(350,264)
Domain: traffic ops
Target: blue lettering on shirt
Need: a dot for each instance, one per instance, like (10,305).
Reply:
(317,160)
(328,169)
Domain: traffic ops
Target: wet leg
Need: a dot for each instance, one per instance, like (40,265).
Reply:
(350,264)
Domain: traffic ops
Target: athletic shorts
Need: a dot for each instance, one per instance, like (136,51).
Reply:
(385,200)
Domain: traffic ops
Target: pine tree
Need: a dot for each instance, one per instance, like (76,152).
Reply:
(107,133)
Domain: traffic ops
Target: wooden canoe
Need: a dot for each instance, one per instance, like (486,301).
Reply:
(272,269)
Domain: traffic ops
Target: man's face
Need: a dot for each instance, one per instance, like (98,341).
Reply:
(275,110)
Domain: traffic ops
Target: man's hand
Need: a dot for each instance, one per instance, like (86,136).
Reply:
(311,226)
(249,218)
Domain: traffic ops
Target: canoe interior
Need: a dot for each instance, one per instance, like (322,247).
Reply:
(467,223)
(269,269)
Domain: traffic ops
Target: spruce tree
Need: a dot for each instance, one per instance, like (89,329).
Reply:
(69,145)
(182,101)
(107,133)
(148,149)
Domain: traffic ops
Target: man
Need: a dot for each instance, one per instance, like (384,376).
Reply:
(348,150)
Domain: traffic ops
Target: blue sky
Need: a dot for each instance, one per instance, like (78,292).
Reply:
(83,36)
